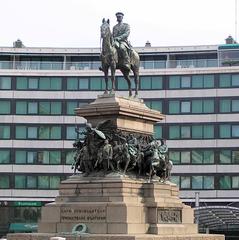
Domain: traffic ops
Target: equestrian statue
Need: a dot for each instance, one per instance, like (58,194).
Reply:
(117,53)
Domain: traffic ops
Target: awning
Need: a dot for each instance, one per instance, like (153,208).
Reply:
(23,227)
(217,217)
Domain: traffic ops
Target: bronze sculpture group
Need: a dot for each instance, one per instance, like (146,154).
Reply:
(117,53)
(105,150)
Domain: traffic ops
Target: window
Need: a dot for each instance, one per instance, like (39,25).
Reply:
(185,82)
(4,181)
(21,83)
(33,83)
(185,132)
(235,105)
(235,80)
(22,181)
(175,179)
(50,108)
(83,83)
(174,107)
(185,106)
(48,182)
(4,132)
(41,108)
(185,182)
(191,106)
(154,104)
(202,81)
(225,105)
(40,132)
(228,105)
(228,131)
(197,182)
(202,157)
(193,132)
(151,82)
(225,182)
(225,131)
(20,157)
(122,83)
(38,157)
(21,107)
(50,83)
(208,182)
(174,82)
(158,132)
(69,157)
(5,83)
(185,157)
(32,108)
(202,182)
(5,107)
(228,80)
(197,106)
(42,83)
(4,156)
(98,83)
(74,83)
(71,133)
(235,182)
(224,80)
(174,132)
(225,156)
(174,156)
(235,130)
(195,81)
(235,157)
(32,132)
(70,107)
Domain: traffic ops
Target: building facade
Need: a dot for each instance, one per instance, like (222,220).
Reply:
(196,87)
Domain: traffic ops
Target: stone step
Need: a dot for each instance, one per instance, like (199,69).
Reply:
(173,229)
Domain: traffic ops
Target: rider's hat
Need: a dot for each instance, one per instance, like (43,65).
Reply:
(119,13)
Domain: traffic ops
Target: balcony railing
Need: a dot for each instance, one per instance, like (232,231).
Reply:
(193,63)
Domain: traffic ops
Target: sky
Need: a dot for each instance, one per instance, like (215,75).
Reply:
(76,23)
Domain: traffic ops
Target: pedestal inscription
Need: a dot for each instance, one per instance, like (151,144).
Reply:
(169,215)
(83,214)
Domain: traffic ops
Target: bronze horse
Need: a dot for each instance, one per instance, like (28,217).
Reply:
(110,59)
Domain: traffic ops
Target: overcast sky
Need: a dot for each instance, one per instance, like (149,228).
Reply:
(76,23)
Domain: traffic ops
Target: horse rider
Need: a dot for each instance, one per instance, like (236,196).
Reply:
(121,32)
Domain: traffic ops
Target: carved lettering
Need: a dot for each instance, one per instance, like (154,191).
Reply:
(169,215)
(83,214)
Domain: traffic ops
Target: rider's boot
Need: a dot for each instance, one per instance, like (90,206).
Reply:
(126,63)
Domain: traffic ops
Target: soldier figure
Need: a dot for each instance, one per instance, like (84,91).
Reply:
(86,159)
(107,155)
(121,32)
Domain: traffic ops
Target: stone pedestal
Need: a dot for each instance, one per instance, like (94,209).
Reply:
(130,115)
(116,207)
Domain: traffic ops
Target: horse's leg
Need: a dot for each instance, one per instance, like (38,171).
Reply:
(106,81)
(112,68)
(127,78)
(136,79)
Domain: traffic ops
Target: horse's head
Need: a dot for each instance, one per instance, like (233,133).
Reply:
(105,28)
